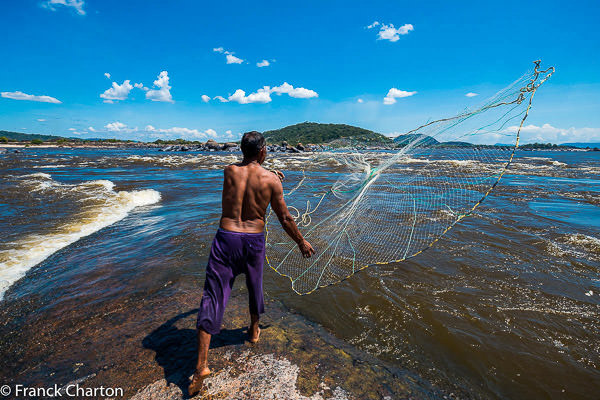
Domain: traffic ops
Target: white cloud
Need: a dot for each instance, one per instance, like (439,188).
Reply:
(205,98)
(75,4)
(299,93)
(229,56)
(41,119)
(91,129)
(263,95)
(260,96)
(231,59)
(360,101)
(107,75)
(548,133)
(394,94)
(181,132)
(23,96)
(211,133)
(263,63)
(471,94)
(117,92)
(116,126)
(72,129)
(393,134)
(389,32)
(163,93)
(229,135)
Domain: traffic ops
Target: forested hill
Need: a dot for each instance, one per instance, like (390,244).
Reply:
(22,137)
(315,133)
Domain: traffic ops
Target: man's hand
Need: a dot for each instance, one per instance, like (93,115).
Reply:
(279,174)
(306,249)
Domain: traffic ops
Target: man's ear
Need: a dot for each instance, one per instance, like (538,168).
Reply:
(262,154)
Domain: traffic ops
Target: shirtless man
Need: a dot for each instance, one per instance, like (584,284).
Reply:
(239,245)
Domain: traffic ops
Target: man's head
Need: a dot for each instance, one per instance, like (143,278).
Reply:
(253,146)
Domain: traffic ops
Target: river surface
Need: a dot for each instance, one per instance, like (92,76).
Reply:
(505,306)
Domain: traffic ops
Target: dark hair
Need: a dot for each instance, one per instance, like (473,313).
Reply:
(252,143)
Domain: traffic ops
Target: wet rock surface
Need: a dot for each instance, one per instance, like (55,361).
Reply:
(122,345)
(293,360)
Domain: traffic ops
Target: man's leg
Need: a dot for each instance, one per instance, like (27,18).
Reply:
(253,329)
(203,346)
(217,288)
(202,370)
(254,283)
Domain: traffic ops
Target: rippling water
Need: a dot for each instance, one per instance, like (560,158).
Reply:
(506,305)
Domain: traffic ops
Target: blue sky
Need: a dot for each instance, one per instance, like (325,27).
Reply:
(163,59)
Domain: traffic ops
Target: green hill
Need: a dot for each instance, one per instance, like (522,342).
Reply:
(454,144)
(423,140)
(315,133)
(26,137)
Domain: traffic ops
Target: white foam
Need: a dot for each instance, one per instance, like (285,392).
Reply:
(179,160)
(38,175)
(459,163)
(108,207)
(547,161)
(537,158)
(410,160)
(589,243)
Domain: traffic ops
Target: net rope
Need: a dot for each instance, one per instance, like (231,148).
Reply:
(369,208)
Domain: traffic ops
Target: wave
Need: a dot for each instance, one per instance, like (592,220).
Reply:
(102,207)
(588,243)
(576,245)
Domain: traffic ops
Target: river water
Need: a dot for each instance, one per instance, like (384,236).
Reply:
(506,305)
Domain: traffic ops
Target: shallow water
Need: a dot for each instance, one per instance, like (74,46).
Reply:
(506,305)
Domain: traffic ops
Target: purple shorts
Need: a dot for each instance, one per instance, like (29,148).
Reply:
(231,254)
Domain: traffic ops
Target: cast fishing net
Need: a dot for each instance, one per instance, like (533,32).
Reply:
(362,209)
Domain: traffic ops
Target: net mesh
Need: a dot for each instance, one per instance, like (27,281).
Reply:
(362,209)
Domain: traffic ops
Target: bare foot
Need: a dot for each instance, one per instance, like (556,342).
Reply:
(198,381)
(254,333)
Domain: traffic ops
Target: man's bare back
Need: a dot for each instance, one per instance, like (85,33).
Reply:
(247,191)
(248,188)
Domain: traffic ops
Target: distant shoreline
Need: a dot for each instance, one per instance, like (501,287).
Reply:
(305,136)
(294,149)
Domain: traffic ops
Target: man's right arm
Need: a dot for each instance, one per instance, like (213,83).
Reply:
(287,221)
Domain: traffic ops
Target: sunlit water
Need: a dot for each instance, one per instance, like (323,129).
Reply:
(506,305)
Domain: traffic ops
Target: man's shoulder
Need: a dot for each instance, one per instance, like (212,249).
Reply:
(269,174)
(231,168)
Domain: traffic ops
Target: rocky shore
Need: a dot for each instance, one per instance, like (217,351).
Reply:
(294,360)
(208,146)
(152,355)
(212,145)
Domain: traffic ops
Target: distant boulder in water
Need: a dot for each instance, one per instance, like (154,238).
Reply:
(212,145)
